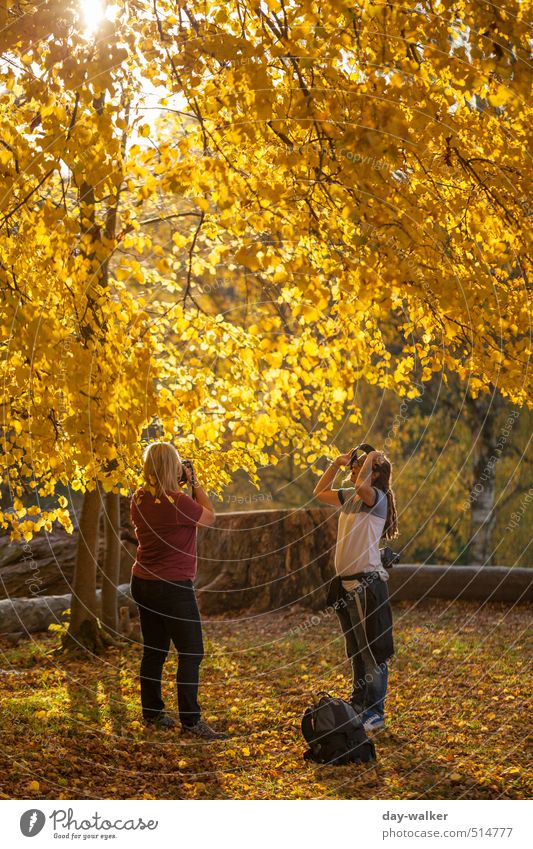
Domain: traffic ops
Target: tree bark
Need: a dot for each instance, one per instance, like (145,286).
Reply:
(483,413)
(85,631)
(110,574)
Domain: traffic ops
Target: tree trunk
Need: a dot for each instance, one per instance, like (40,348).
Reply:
(111,568)
(483,414)
(84,631)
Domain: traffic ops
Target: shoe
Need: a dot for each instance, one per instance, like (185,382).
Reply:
(374,722)
(204,731)
(162,720)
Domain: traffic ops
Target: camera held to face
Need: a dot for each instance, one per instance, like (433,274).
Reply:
(186,464)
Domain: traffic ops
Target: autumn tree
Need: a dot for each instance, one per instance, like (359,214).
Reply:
(356,173)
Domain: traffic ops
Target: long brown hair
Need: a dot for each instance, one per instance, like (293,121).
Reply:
(384,482)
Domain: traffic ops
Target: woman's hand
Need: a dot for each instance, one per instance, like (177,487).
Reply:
(189,474)
(378,458)
(342,459)
(323,490)
(363,484)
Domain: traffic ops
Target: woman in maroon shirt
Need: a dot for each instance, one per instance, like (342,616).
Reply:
(165,520)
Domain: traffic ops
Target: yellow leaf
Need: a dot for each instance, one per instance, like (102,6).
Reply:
(248,258)
(502,96)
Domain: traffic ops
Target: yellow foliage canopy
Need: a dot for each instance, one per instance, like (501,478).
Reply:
(222,218)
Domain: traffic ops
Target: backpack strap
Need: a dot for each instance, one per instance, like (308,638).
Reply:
(308,726)
(322,693)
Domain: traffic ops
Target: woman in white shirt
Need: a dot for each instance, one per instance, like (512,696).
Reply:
(368,513)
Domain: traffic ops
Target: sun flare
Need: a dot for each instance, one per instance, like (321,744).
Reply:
(93,12)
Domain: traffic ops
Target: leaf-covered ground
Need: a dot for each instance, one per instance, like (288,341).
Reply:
(457,714)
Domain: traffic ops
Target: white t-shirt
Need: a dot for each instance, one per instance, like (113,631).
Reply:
(360,530)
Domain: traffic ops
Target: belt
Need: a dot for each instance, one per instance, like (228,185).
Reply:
(336,590)
(359,575)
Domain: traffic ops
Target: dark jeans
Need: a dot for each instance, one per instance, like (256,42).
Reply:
(168,611)
(369,678)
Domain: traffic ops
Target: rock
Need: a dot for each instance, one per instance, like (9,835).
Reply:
(45,564)
(248,561)
(266,560)
(471,583)
(16,638)
(29,615)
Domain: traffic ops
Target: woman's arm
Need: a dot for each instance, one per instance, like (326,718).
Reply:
(323,490)
(208,512)
(208,515)
(363,484)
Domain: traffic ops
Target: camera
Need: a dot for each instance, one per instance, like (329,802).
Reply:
(186,464)
(359,450)
(389,558)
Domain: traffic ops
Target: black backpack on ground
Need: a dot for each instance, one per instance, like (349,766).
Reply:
(335,733)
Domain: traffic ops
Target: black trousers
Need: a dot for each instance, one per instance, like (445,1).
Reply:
(168,611)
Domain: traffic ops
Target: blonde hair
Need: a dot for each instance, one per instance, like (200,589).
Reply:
(162,467)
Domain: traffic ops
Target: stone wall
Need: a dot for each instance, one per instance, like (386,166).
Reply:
(248,561)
